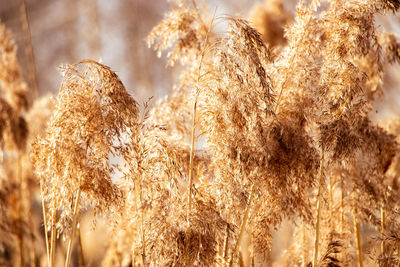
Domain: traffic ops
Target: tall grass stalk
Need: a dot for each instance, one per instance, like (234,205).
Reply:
(139,208)
(331,204)
(20,212)
(53,238)
(341,205)
(383,222)
(358,238)
(319,200)
(28,48)
(193,137)
(226,243)
(304,240)
(44,212)
(74,225)
(243,226)
(193,134)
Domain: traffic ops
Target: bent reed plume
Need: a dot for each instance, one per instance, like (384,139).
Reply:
(269,130)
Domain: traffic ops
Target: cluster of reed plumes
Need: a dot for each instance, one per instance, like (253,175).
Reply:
(269,124)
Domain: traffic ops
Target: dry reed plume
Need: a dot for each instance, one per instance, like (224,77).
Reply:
(269,125)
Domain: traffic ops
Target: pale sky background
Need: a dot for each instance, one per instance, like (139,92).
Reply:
(63,31)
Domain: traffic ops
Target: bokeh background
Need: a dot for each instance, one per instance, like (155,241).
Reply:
(65,31)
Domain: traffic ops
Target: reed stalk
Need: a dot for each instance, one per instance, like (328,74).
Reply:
(226,243)
(358,238)
(193,137)
(317,227)
(331,204)
(20,212)
(341,205)
(383,223)
(142,229)
(53,238)
(28,48)
(46,236)
(139,191)
(303,229)
(74,225)
(243,226)
(241,260)
(398,256)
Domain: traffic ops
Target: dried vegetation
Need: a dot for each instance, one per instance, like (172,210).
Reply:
(270,123)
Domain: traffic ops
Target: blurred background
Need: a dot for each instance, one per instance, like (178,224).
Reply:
(66,31)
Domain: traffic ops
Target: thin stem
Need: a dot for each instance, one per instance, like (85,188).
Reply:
(341,204)
(189,206)
(226,245)
(28,48)
(53,238)
(243,227)
(142,229)
(331,204)
(193,137)
(74,224)
(341,226)
(317,227)
(241,261)
(45,223)
(139,191)
(383,222)
(31,247)
(355,221)
(398,256)
(358,239)
(21,248)
(304,244)
(316,242)
(20,211)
